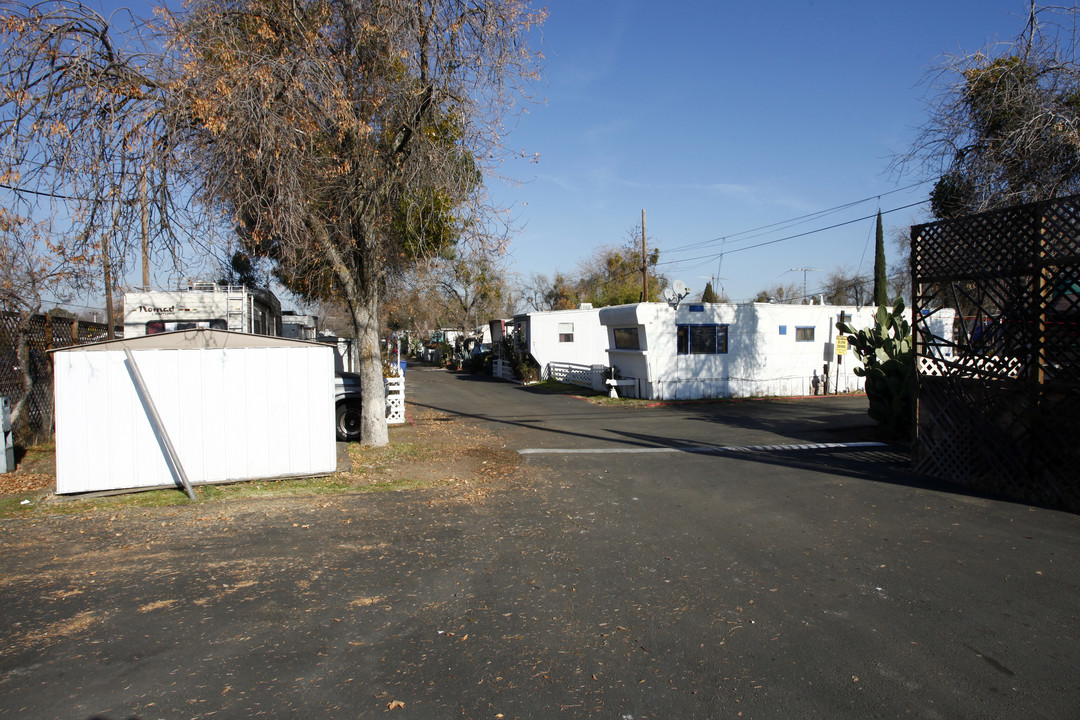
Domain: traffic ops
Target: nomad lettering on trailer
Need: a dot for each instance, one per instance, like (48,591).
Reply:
(144,308)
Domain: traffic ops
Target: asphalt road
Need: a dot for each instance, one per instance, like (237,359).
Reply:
(721,560)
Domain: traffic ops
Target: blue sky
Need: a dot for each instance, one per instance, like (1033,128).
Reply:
(721,117)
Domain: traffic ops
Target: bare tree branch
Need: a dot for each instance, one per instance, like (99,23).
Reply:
(1004,122)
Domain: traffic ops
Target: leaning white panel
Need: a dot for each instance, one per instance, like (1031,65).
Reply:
(236,407)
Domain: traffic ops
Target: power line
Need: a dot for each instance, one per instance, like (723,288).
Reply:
(795,220)
(793,237)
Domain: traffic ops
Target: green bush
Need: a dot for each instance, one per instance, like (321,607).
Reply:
(888,359)
(521,361)
(475,363)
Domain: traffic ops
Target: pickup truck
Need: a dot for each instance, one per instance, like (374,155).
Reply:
(347,406)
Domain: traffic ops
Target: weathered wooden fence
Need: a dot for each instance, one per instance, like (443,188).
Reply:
(1002,415)
(43,333)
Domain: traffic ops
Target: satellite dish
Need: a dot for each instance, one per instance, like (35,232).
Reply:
(668,294)
(680,288)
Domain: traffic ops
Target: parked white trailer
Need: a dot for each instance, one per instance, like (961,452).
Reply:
(202,305)
(720,350)
(299,327)
(568,345)
(234,406)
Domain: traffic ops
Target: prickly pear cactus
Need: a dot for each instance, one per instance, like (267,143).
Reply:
(888,359)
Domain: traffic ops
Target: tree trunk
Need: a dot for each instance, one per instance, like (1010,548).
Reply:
(360,284)
(373,431)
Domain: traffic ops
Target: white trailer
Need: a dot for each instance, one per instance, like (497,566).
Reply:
(722,350)
(202,305)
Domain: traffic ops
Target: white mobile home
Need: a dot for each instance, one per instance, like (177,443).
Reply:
(564,341)
(718,350)
(299,327)
(202,305)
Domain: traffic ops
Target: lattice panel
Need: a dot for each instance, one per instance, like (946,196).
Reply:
(1000,411)
(43,334)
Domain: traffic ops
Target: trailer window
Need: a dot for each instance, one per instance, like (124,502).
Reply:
(566,332)
(627,339)
(804,334)
(159,326)
(702,339)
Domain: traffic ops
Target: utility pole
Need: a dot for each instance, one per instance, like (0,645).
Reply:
(644,262)
(804,270)
(106,266)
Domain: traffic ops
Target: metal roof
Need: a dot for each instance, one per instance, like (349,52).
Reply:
(196,339)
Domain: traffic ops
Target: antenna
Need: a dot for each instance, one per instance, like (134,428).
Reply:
(676,293)
(804,270)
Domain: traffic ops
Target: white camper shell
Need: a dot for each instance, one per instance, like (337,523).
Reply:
(202,305)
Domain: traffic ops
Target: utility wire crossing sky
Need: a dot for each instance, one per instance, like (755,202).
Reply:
(731,124)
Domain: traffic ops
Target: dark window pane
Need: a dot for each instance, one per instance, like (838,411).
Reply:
(627,339)
(702,339)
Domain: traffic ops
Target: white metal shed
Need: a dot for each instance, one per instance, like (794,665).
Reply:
(235,406)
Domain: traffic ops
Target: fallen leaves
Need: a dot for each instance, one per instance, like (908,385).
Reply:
(16,483)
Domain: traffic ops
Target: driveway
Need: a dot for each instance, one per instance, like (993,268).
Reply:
(713,560)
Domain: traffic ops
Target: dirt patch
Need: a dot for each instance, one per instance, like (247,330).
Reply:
(435,450)
(35,469)
(432,449)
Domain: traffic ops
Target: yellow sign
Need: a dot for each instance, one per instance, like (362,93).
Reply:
(841,345)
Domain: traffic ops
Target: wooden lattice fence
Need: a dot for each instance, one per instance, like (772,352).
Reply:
(1000,413)
(44,333)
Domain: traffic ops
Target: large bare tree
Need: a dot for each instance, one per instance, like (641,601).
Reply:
(348,137)
(85,150)
(342,139)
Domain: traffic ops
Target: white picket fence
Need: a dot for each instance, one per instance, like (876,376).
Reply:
(502,370)
(395,400)
(590,376)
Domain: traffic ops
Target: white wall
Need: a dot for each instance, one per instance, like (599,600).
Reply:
(763,356)
(590,338)
(232,414)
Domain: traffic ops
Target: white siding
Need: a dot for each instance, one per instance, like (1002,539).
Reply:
(232,414)
(759,360)
(590,341)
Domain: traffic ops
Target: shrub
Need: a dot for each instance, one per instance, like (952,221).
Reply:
(475,363)
(888,359)
(521,361)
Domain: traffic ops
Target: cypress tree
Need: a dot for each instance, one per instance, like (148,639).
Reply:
(881,286)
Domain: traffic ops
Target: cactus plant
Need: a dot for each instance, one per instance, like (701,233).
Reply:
(888,359)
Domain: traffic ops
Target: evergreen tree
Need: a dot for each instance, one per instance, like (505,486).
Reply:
(709,295)
(881,282)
